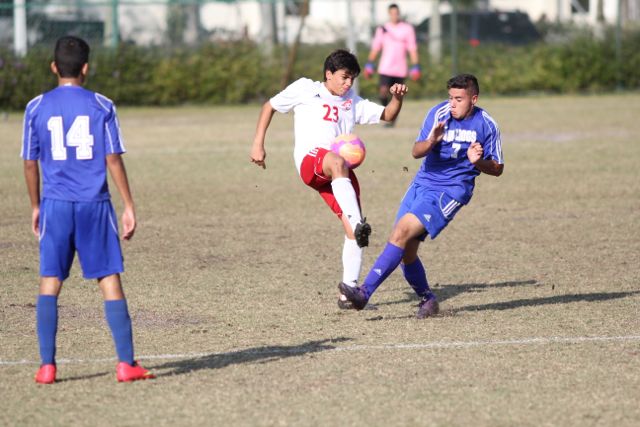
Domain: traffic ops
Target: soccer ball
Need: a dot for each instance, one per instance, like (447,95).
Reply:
(350,148)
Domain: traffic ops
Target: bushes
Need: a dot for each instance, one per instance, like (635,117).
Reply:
(240,72)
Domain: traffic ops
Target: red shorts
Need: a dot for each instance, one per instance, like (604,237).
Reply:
(312,175)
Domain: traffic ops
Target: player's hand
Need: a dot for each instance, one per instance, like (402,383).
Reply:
(438,132)
(415,72)
(128,223)
(474,153)
(398,90)
(258,155)
(35,221)
(369,70)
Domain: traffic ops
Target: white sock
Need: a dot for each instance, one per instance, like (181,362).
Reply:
(351,262)
(347,200)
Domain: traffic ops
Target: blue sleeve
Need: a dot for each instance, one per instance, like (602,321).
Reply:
(492,144)
(437,114)
(30,141)
(114,143)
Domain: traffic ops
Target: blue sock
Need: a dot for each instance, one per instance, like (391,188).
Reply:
(417,278)
(382,268)
(119,321)
(47,326)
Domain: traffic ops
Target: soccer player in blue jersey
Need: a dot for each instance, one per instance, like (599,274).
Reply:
(458,141)
(74,135)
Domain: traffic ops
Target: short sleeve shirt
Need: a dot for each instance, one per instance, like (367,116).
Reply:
(394,41)
(319,116)
(71,130)
(447,167)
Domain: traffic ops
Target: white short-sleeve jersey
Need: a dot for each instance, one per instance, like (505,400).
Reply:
(320,116)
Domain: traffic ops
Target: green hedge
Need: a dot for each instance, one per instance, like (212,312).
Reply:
(241,72)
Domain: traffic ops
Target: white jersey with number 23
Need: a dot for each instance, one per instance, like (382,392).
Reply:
(320,116)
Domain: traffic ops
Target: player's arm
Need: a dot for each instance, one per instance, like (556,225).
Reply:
(258,154)
(373,54)
(413,57)
(391,111)
(119,175)
(376,47)
(422,148)
(32,177)
(415,73)
(488,166)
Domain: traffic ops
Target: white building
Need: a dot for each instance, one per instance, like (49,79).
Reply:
(146,22)
(327,19)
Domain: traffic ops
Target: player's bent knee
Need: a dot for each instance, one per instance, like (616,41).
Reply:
(336,166)
(400,236)
(406,230)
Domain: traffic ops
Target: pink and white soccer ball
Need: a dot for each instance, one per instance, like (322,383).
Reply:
(351,148)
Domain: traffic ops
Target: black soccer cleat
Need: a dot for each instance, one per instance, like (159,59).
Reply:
(362,232)
(355,295)
(343,302)
(428,307)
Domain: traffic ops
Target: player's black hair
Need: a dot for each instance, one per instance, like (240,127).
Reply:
(341,59)
(464,81)
(70,55)
(393,6)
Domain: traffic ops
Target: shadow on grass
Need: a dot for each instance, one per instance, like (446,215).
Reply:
(262,354)
(449,291)
(558,299)
(85,377)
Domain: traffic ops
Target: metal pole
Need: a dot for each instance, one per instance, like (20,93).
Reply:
(372,11)
(619,83)
(454,38)
(19,27)
(115,26)
(351,37)
(435,32)
(559,14)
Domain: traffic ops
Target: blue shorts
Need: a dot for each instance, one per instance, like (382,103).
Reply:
(434,209)
(90,228)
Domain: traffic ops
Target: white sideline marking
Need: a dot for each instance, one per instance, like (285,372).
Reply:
(302,349)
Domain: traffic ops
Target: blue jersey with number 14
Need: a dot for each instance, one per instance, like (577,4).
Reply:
(71,130)
(446,167)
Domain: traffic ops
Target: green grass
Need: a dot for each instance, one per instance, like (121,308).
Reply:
(236,269)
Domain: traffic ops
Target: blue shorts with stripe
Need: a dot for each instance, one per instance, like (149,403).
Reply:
(434,209)
(89,228)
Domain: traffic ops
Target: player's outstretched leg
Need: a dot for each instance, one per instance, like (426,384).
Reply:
(117,314)
(405,231)
(344,192)
(47,328)
(346,197)
(388,261)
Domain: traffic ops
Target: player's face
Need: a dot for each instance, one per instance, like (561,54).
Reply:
(339,82)
(394,15)
(461,102)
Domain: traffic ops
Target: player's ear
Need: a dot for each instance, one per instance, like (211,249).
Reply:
(474,99)
(85,69)
(327,75)
(54,68)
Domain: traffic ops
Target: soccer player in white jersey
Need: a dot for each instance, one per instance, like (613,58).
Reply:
(73,134)
(458,141)
(322,111)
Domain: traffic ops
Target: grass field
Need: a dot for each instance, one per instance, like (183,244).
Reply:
(232,275)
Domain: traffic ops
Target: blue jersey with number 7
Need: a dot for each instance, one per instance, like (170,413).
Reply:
(71,130)
(446,167)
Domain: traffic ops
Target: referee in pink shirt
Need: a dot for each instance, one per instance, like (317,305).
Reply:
(394,39)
